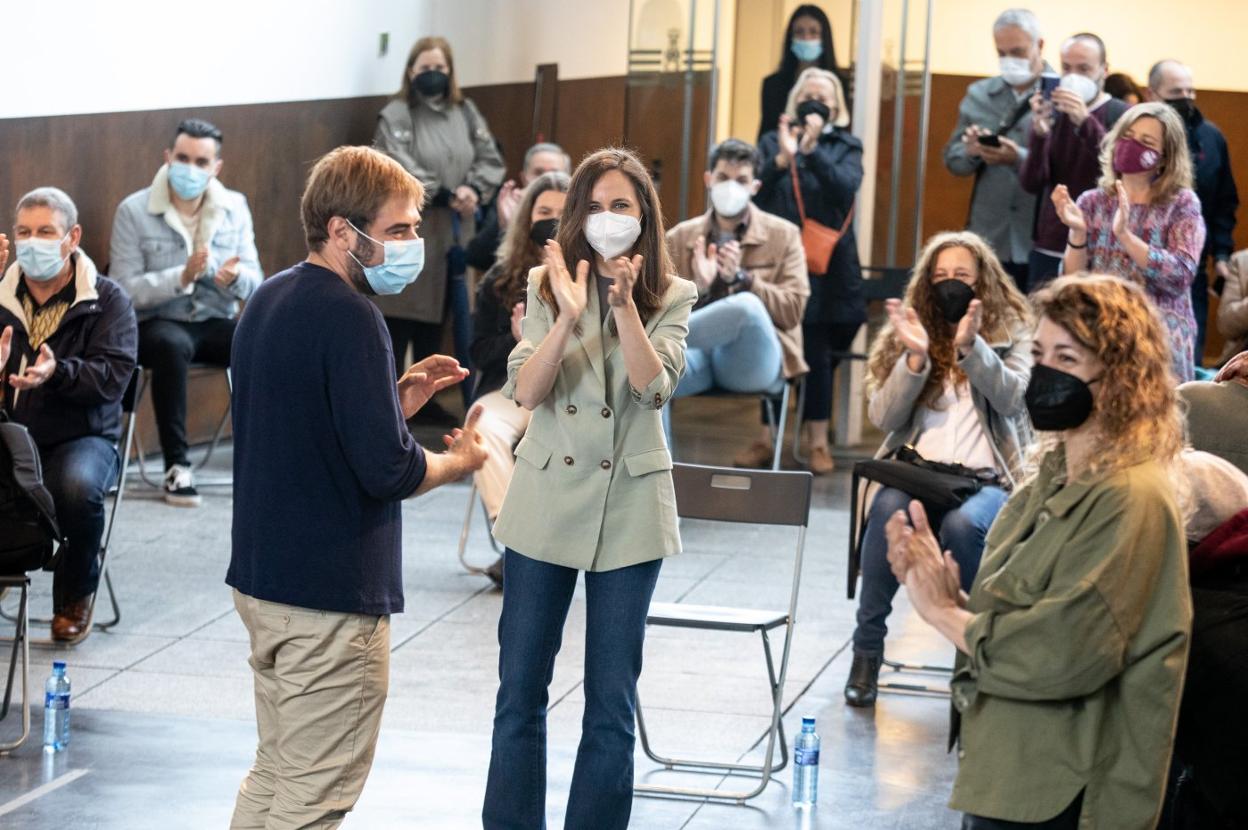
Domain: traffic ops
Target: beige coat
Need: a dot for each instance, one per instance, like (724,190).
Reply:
(771,252)
(1233,310)
(593,486)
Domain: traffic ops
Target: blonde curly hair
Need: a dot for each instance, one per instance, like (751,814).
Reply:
(1004,308)
(1136,403)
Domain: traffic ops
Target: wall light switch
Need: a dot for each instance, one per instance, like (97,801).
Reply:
(383,45)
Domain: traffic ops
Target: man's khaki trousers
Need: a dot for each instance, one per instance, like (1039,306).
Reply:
(321,681)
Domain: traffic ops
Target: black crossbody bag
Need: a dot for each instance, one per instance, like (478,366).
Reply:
(944,486)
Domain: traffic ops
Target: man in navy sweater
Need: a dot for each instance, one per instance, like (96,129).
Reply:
(322,460)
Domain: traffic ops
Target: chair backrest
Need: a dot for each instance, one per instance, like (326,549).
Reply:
(131,396)
(726,494)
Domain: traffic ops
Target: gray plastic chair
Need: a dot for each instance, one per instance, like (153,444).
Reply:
(762,497)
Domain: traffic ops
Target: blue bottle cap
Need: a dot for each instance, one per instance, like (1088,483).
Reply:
(808,722)
(58,664)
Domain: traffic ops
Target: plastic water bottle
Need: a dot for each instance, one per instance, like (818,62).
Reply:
(806,766)
(56,709)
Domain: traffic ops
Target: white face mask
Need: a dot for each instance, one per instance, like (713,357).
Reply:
(611,234)
(730,198)
(1081,85)
(1017,71)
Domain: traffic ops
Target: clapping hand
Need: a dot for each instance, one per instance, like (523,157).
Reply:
(467,443)
(932,578)
(1236,369)
(195,265)
(517,315)
(1122,213)
(812,128)
(787,132)
(37,373)
(509,196)
(427,378)
(571,295)
(6,343)
(909,330)
(227,274)
(705,263)
(968,327)
(4,252)
(620,294)
(1068,211)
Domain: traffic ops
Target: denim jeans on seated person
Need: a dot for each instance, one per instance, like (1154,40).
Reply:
(733,346)
(78,474)
(530,630)
(961,531)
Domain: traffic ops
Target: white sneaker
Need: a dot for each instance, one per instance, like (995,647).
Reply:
(180,487)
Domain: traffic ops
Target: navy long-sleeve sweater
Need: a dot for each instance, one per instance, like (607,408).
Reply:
(322,457)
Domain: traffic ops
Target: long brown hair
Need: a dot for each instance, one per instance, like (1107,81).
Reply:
(453,95)
(1004,308)
(1175,170)
(1137,411)
(517,254)
(657,270)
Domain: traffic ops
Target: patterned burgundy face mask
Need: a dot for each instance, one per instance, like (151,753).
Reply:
(1130,156)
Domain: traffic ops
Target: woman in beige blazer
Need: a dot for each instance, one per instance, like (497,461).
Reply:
(602,352)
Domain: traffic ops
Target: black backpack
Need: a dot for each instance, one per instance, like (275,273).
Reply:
(28,531)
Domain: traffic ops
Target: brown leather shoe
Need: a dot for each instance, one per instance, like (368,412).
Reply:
(820,461)
(73,622)
(755,455)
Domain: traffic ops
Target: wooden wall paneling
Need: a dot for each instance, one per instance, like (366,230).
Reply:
(654,121)
(546,101)
(946,197)
(508,109)
(590,115)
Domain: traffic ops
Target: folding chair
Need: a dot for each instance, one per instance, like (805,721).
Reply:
(212,445)
(890,284)
(754,497)
(776,423)
(857,531)
(129,402)
(20,653)
(467,528)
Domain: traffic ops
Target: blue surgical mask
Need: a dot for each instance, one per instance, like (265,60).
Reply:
(40,259)
(807,50)
(187,180)
(404,259)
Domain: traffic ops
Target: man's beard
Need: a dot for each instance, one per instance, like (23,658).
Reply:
(355,271)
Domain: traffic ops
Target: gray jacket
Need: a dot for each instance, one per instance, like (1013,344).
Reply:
(998,373)
(1001,211)
(150,246)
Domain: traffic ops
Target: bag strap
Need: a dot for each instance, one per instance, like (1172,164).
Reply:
(801,207)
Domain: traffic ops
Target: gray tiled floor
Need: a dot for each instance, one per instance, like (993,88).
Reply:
(163,708)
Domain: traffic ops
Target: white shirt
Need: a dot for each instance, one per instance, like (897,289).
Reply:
(951,432)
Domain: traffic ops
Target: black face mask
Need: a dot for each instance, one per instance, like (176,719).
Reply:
(811,106)
(543,231)
(431,83)
(1057,400)
(1185,107)
(954,298)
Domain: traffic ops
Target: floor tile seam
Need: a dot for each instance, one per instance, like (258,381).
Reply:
(429,624)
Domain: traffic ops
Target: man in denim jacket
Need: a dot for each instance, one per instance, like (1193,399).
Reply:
(185,251)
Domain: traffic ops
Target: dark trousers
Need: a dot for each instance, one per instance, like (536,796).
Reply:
(530,630)
(961,531)
(1018,272)
(78,474)
(819,342)
(168,348)
(1041,268)
(1200,307)
(426,338)
(1068,819)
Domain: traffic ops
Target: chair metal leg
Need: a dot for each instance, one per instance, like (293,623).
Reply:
(777,429)
(775,733)
(798,422)
(466,530)
(921,689)
(21,646)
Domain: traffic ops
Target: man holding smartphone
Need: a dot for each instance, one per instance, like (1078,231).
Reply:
(989,141)
(1067,125)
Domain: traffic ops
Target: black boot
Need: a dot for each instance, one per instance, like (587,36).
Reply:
(495,572)
(863,682)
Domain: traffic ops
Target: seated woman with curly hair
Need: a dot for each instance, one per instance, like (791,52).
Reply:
(1073,640)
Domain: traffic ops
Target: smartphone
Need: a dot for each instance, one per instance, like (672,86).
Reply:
(989,140)
(1048,83)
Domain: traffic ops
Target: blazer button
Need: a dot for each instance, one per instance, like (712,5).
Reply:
(570,409)
(606,465)
(567,459)
(658,399)
(606,413)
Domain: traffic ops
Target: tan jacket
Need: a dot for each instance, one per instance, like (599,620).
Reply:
(771,252)
(1233,310)
(1078,648)
(593,487)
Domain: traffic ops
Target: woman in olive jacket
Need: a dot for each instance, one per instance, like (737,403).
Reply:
(1073,641)
(811,139)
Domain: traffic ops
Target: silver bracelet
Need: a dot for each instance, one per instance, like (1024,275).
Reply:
(541,359)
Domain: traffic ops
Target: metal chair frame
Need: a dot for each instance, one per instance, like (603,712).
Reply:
(746,496)
(129,405)
(21,649)
(775,424)
(212,445)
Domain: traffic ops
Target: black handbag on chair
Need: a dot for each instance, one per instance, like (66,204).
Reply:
(28,530)
(941,485)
